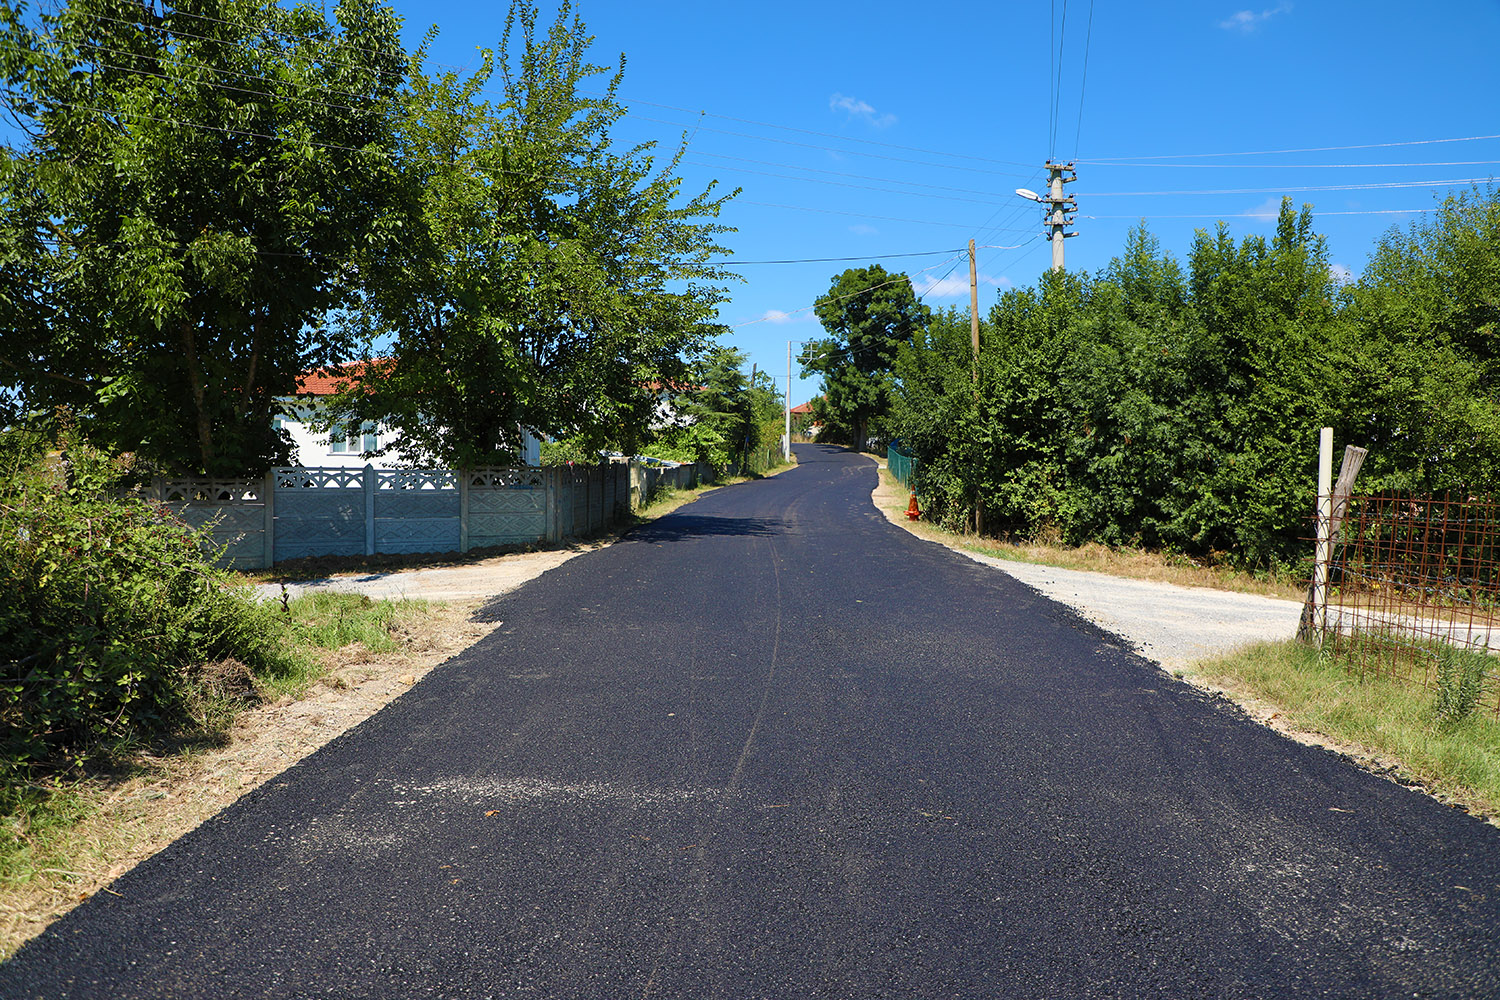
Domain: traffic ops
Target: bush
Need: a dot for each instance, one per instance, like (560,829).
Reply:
(112,608)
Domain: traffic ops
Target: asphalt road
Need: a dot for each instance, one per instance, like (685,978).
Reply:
(773,747)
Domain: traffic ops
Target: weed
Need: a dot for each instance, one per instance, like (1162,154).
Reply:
(1460,682)
(1373,715)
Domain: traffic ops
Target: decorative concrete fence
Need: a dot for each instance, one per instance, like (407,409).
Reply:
(298,512)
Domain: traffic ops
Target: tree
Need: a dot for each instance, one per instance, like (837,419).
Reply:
(868,313)
(542,280)
(187,211)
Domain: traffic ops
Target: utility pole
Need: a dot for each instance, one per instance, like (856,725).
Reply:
(745,445)
(1059,205)
(974,308)
(786,442)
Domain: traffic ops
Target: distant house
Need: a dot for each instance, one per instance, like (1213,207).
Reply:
(347,448)
(803,422)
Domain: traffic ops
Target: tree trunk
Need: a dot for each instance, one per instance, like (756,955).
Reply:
(195,383)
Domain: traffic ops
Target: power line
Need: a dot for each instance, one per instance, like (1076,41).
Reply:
(832,173)
(1083,89)
(823,149)
(1270,215)
(1305,166)
(1062,47)
(852,295)
(1374,186)
(860,187)
(825,135)
(835,260)
(858,215)
(1307,149)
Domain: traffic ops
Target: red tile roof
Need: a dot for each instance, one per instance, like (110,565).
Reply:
(328,381)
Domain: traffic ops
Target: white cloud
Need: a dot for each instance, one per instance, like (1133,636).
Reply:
(863,230)
(1266,210)
(952,287)
(1340,274)
(778,317)
(1248,20)
(859,109)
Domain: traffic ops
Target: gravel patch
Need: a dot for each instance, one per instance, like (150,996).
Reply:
(488,578)
(1168,624)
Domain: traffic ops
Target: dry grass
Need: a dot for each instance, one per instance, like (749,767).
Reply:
(1386,725)
(111,824)
(1135,564)
(93,831)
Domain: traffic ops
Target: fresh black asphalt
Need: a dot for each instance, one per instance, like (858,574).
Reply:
(771,746)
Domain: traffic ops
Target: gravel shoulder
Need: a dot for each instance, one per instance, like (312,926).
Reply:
(1168,624)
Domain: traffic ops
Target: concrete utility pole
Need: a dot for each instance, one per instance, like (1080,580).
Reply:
(1059,205)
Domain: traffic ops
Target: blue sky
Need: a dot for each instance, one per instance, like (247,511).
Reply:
(894,133)
(883,128)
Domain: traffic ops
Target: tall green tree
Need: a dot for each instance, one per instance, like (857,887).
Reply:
(186,209)
(868,314)
(543,279)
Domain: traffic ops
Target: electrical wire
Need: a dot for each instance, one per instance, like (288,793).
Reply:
(844,184)
(1375,186)
(967,226)
(1083,89)
(783,316)
(825,149)
(1306,166)
(1269,215)
(827,135)
(1307,149)
(1062,39)
(836,260)
(838,173)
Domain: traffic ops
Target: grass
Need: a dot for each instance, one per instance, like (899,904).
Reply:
(1428,739)
(1136,564)
(51,831)
(1391,722)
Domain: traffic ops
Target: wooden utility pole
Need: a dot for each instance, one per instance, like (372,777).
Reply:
(974,336)
(974,308)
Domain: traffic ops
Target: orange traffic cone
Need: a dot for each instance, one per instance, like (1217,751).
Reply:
(912,510)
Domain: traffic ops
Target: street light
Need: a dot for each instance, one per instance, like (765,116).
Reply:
(1029,195)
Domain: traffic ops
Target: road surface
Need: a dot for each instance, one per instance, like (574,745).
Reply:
(772,746)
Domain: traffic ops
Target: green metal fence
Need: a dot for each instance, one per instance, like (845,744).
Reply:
(901,465)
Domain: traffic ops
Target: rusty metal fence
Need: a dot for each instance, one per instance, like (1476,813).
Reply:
(1414,594)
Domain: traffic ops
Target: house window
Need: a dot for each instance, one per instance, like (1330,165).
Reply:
(363,438)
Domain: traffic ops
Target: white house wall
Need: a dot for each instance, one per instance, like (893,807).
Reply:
(313,449)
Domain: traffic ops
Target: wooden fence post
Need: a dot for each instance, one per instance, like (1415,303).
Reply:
(1333,504)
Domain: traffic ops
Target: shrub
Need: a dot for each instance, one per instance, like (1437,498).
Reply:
(112,608)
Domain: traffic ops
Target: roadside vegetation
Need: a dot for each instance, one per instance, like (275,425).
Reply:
(1048,549)
(519,269)
(1175,405)
(1444,741)
(79,806)
(1416,736)
(123,646)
